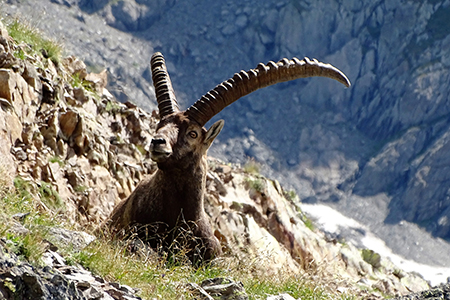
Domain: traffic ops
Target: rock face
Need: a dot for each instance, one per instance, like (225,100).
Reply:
(439,292)
(92,151)
(20,280)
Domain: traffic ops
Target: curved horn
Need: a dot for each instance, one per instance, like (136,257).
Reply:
(244,83)
(165,96)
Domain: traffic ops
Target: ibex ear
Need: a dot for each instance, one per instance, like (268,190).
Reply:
(213,132)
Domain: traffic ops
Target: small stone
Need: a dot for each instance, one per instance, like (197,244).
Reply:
(19,153)
(99,81)
(68,122)
(79,94)
(283,296)
(75,66)
(20,216)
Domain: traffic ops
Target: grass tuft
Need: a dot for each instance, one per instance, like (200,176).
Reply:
(50,197)
(22,32)
(252,167)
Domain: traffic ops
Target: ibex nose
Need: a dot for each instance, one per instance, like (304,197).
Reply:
(158,141)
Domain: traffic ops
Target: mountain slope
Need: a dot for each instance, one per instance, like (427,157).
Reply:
(74,152)
(376,152)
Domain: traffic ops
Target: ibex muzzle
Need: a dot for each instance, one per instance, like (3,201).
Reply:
(175,192)
(160,149)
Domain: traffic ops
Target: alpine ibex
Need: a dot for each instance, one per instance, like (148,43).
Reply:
(173,196)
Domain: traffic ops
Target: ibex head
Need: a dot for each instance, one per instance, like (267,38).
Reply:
(180,142)
(180,135)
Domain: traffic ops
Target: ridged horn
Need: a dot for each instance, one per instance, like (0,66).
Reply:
(244,83)
(165,96)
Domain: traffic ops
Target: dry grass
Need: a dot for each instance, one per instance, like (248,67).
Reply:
(160,278)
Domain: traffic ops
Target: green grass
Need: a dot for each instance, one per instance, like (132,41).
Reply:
(87,86)
(23,199)
(29,247)
(309,223)
(50,197)
(22,32)
(78,82)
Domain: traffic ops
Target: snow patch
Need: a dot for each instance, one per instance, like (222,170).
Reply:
(333,222)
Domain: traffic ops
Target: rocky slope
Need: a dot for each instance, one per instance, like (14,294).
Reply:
(376,152)
(92,150)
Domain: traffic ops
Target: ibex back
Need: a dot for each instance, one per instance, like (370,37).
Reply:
(173,197)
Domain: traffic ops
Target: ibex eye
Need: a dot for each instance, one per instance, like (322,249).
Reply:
(193,134)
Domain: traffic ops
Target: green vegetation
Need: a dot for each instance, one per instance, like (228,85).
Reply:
(252,167)
(78,82)
(80,189)
(255,183)
(154,275)
(112,107)
(141,149)
(50,197)
(371,257)
(22,32)
(86,85)
(23,201)
(291,195)
(162,280)
(57,160)
(308,223)
(30,247)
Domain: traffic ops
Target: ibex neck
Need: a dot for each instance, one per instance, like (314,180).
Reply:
(191,173)
(184,188)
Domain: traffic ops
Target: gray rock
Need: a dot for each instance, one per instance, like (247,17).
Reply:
(219,288)
(55,281)
(76,240)
(438,292)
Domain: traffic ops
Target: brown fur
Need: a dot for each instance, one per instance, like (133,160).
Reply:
(173,197)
